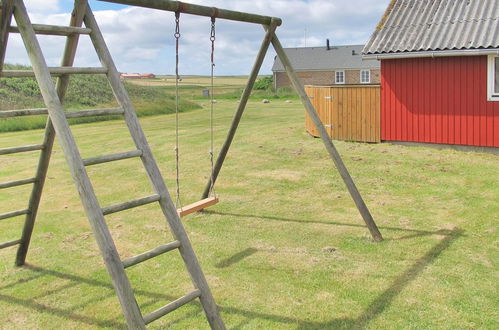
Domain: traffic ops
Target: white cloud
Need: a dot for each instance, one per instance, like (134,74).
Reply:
(42,5)
(142,40)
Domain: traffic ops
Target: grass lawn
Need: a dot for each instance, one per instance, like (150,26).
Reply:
(284,249)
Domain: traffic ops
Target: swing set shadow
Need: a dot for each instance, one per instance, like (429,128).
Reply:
(375,308)
(415,232)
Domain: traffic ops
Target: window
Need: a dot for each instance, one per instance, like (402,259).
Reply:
(365,76)
(493,78)
(340,77)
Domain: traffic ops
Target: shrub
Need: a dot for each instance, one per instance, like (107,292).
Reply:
(264,83)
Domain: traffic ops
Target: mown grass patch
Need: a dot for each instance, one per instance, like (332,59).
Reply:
(284,249)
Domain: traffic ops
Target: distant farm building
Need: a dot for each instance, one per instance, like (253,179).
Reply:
(439,71)
(328,66)
(137,76)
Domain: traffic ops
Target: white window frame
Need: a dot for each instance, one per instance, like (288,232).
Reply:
(368,77)
(491,96)
(336,77)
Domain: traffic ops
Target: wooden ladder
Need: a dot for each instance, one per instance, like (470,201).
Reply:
(57,124)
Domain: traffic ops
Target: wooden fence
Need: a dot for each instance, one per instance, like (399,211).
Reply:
(350,113)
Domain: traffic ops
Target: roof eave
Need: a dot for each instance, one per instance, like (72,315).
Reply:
(437,53)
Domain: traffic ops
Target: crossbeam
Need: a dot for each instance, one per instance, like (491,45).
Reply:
(188,8)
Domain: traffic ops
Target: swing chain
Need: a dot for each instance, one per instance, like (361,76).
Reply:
(212,39)
(177,78)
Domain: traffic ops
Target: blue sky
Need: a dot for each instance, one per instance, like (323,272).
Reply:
(141,40)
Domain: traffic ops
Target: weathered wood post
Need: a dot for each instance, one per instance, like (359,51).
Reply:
(328,143)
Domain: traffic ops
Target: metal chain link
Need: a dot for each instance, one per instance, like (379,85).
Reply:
(212,39)
(177,77)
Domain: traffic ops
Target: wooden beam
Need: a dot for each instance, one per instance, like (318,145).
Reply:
(132,261)
(54,30)
(10,243)
(328,143)
(69,113)
(130,204)
(171,306)
(17,183)
(15,150)
(188,8)
(197,206)
(54,71)
(111,158)
(240,108)
(78,172)
(167,206)
(13,214)
(6,10)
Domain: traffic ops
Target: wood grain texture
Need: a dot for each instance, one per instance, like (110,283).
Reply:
(54,30)
(17,183)
(193,9)
(155,177)
(240,109)
(171,306)
(328,143)
(111,158)
(197,206)
(49,136)
(54,71)
(69,114)
(13,214)
(349,113)
(130,204)
(6,9)
(77,169)
(9,243)
(15,150)
(132,261)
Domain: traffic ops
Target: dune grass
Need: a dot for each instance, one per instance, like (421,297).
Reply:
(284,249)
(84,92)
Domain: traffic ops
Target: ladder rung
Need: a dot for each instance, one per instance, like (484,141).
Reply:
(96,112)
(13,214)
(69,114)
(16,150)
(24,112)
(171,306)
(10,184)
(10,243)
(111,158)
(54,30)
(130,204)
(132,261)
(197,206)
(54,71)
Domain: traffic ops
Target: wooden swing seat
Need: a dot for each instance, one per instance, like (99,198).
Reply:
(197,206)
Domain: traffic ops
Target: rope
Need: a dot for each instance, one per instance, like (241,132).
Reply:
(177,77)
(212,39)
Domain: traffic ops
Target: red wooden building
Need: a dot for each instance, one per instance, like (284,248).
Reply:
(439,71)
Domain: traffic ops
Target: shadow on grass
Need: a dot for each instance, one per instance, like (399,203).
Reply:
(236,258)
(416,232)
(372,311)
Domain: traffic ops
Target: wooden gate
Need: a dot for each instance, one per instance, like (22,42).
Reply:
(350,113)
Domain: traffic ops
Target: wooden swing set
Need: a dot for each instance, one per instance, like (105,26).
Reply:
(57,125)
(211,198)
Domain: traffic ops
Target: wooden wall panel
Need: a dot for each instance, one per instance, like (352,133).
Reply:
(350,113)
(438,100)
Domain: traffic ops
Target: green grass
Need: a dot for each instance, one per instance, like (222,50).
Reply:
(150,96)
(266,248)
(84,92)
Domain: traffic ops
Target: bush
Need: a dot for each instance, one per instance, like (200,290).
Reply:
(264,83)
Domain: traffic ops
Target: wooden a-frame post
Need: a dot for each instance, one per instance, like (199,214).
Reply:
(269,24)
